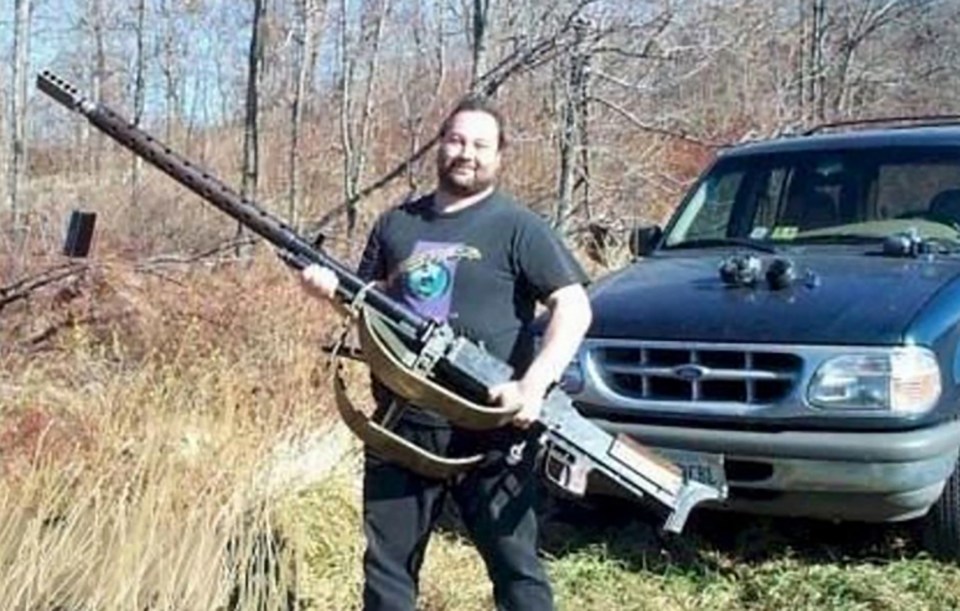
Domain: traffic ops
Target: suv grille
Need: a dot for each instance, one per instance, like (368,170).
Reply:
(657,372)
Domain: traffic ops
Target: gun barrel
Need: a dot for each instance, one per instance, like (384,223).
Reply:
(217,193)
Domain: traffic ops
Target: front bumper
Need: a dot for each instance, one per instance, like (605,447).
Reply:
(868,476)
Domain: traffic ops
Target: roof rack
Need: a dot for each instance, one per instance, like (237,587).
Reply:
(893,122)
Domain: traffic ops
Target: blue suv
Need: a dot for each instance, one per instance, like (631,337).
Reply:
(794,331)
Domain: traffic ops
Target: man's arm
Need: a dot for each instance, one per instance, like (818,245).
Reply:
(321,282)
(570,317)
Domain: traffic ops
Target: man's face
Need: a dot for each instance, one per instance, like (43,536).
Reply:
(469,154)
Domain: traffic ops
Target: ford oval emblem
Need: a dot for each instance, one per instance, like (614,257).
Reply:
(690,373)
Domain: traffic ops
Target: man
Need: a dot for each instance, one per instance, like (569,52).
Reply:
(470,255)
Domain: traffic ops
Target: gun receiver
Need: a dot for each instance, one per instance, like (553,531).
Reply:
(575,446)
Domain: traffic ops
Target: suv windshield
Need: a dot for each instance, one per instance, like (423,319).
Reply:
(822,197)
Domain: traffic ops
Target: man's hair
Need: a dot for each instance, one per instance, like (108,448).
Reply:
(478,103)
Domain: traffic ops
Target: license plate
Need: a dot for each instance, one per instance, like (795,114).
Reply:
(697,466)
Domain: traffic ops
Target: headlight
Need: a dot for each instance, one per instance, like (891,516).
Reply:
(904,381)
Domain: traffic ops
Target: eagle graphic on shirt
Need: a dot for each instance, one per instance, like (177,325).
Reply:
(425,279)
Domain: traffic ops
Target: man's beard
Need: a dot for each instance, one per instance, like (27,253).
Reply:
(462,186)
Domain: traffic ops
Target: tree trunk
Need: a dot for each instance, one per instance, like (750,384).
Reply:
(480,20)
(5,124)
(416,109)
(138,100)
(583,131)
(355,139)
(801,62)
(18,157)
(819,75)
(171,70)
(251,140)
(346,105)
(304,58)
(567,145)
(99,74)
(572,104)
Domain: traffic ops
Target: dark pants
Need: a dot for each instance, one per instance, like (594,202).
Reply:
(496,502)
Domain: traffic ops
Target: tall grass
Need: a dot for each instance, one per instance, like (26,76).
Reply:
(134,439)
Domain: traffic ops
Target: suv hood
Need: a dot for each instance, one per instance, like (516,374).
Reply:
(681,297)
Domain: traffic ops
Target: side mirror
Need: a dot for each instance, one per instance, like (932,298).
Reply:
(643,240)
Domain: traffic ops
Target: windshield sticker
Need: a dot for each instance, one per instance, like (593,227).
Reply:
(784,233)
(759,233)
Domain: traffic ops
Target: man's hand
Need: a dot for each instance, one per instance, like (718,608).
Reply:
(569,319)
(319,281)
(517,393)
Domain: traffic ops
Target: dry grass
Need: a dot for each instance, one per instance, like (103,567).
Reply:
(138,415)
(165,437)
(166,443)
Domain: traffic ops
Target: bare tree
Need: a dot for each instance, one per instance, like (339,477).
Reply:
(171,53)
(479,24)
(816,71)
(97,29)
(310,18)
(430,66)
(572,82)
(619,115)
(18,116)
(355,130)
(138,95)
(5,105)
(811,80)
(251,137)
(524,57)
(857,24)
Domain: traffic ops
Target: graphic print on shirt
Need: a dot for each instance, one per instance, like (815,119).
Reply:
(426,277)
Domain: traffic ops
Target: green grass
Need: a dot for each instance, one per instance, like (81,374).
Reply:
(740,562)
(610,556)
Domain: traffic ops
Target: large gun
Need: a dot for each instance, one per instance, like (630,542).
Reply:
(451,373)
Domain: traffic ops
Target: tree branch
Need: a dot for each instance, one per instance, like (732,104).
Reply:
(670,133)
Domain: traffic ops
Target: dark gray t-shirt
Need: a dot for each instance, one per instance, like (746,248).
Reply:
(481,269)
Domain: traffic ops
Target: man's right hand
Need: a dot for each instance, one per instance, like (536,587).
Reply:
(319,281)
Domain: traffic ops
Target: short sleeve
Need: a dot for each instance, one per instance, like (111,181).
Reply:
(543,261)
(372,265)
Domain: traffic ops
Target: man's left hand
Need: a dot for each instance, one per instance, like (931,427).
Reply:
(516,393)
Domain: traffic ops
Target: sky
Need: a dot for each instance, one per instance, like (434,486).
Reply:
(60,41)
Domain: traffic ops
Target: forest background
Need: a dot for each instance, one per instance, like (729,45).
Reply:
(166,437)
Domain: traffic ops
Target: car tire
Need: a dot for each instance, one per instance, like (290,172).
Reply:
(941,526)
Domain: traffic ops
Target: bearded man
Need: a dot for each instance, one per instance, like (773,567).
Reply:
(470,255)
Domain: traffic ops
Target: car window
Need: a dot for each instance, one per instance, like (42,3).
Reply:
(770,196)
(907,188)
(788,197)
(709,210)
